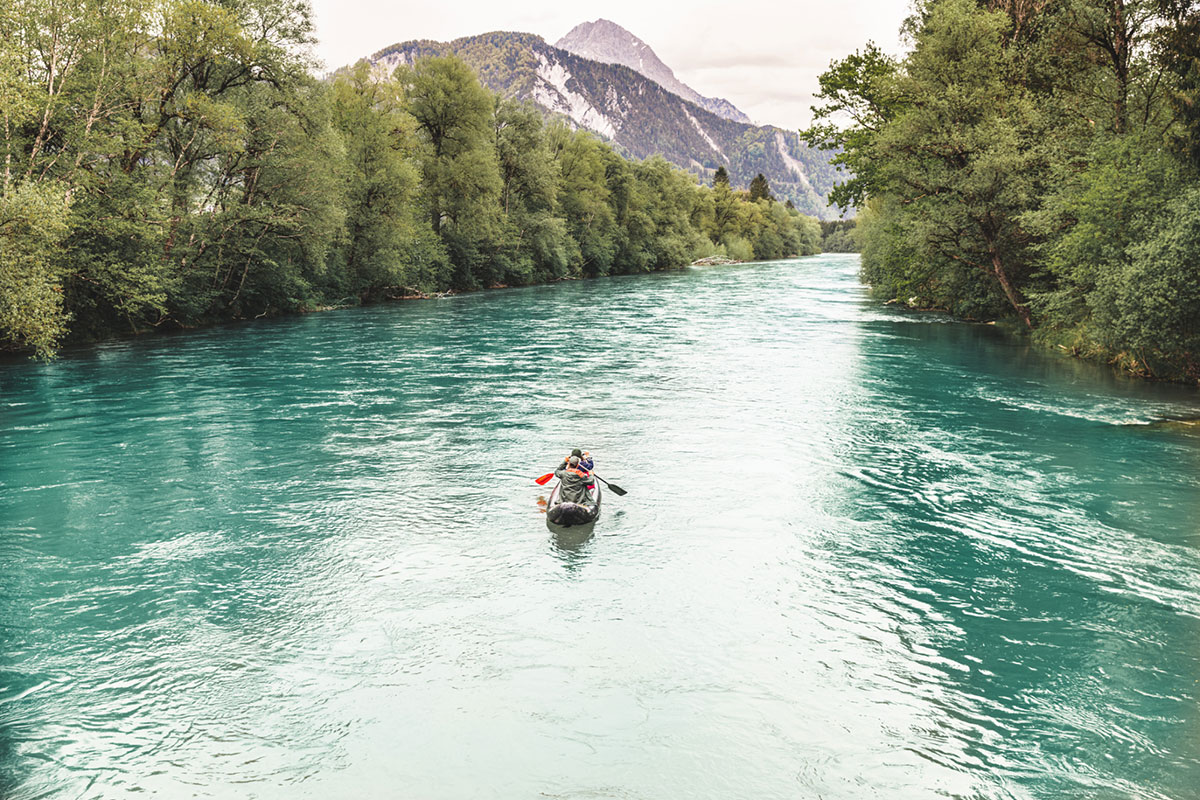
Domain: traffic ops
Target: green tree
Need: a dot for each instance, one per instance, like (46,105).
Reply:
(385,245)
(33,223)
(535,244)
(960,144)
(460,174)
(1177,51)
(1090,219)
(1151,309)
(860,88)
(584,198)
(759,190)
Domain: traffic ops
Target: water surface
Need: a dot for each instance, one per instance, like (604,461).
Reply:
(865,553)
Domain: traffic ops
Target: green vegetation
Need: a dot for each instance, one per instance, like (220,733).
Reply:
(642,118)
(173,163)
(759,188)
(1036,161)
(837,236)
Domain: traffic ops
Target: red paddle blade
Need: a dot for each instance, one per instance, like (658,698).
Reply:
(542,480)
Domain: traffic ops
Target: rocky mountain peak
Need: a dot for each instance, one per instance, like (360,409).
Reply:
(607,42)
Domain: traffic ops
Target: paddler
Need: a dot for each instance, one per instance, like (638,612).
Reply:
(585,460)
(575,482)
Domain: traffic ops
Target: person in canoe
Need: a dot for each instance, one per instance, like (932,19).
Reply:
(585,460)
(575,482)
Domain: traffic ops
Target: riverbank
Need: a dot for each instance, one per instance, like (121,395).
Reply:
(1073,344)
(399,294)
(174,327)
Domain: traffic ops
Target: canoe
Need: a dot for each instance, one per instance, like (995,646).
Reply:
(568,515)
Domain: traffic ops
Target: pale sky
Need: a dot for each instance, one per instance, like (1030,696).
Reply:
(763,56)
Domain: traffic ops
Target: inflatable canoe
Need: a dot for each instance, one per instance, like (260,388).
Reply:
(567,515)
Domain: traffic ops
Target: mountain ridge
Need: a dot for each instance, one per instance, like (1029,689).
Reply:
(607,42)
(638,115)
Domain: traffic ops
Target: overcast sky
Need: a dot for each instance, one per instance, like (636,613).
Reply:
(762,56)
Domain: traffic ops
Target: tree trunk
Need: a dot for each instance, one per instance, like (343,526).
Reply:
(1013,295)
(1120,66)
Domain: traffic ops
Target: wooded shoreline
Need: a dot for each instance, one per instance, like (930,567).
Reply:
(16,356)
(1034,161)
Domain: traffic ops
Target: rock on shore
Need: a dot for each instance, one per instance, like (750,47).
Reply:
(714,261)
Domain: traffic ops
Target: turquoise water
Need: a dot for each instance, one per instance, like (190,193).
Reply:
(864,553)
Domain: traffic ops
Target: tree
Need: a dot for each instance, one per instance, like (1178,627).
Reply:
(720,178)
(453,114)
(1021,155)
(1089,220)
(584,198)
(959,144)
(526,171)
(1152,307)
(861,88)
(1177,50)
(534,243)
(759,190)
(385,243)
(1115,31)
(459,170)
(726,213)
(32,226)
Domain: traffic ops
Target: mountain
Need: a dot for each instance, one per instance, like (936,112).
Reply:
(638,115)
(609,43)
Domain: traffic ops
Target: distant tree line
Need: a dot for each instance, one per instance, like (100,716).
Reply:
(837,236)
(1035,160)
(654,119)
(173,163)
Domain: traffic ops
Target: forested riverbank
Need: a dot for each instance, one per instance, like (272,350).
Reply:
(1037,161)
(173,163)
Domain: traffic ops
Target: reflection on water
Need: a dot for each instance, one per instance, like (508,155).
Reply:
(570,544)
(865,553)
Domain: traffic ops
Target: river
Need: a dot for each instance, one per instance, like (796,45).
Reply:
(865,552)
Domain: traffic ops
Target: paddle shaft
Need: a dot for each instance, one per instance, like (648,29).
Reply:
(617,490)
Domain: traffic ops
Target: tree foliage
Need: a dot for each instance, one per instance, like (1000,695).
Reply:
(759,189)
(1028,160)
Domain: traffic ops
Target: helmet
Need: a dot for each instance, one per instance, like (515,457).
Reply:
(577,453)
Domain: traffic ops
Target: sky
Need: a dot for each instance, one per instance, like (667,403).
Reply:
(762,56)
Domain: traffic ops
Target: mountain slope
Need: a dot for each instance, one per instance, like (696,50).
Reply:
(638,115)
(609,43)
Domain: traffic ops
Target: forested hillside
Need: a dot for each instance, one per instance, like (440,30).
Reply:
(172,163)
(637,115)
(1037,161)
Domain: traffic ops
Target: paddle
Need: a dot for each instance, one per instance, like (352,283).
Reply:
(617,490)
